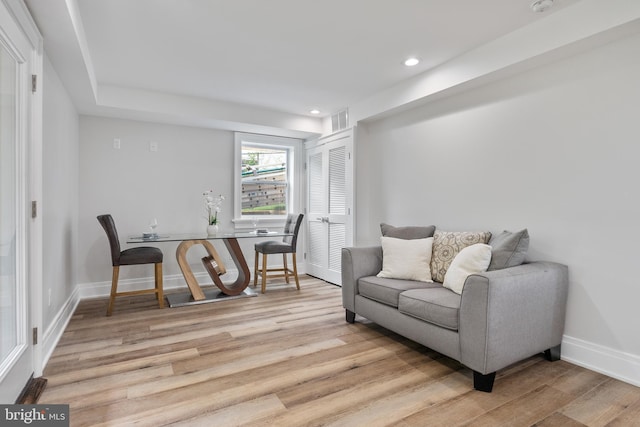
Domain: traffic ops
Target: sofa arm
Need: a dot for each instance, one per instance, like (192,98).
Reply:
(357,263)
(510,314)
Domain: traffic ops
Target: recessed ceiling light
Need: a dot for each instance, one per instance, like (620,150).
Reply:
(541,5)
(315,111)
(410,62)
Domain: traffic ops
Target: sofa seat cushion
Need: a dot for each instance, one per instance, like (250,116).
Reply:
(387,291)
(439,306)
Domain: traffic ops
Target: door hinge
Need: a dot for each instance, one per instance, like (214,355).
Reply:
(304,256)
(35,336)
(34,83)
(34,208)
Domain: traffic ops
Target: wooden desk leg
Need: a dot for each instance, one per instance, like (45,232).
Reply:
(244,275)
(181,256)
(235,288)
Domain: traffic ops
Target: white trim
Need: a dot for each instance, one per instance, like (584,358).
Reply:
(23,40)
(54,332)
(341,134)
(613,363)
(103,289)
(295,178)
(91,290)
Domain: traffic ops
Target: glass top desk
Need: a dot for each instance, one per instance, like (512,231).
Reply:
(212,263)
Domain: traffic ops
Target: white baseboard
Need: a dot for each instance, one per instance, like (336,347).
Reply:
(55,330)
(613,363)
(174,281)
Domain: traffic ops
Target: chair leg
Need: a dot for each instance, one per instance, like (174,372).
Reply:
(255,272)
(159,291)
(264,273)
(295,270)
(285,267)
(114,288)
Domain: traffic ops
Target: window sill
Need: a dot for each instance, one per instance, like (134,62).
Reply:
(272,224)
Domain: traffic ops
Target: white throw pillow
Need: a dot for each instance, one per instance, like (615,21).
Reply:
(406,259)
(470,260)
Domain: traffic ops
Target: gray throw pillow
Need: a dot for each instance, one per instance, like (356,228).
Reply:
(508,249)
(407,233)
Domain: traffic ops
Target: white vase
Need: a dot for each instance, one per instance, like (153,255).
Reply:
(212,229)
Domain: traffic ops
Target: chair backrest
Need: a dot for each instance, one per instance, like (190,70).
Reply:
(292,226)
(110,228)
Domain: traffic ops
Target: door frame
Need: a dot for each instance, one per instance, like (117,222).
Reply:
(16,24)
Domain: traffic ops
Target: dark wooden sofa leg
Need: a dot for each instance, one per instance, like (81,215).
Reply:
(483,382)
(552,354)
(350,316)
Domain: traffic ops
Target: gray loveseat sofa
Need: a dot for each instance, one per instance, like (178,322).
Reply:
(502,316)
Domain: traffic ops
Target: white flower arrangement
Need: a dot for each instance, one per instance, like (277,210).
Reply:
(213,205)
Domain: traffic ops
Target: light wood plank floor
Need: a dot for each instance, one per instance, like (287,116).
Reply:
(288,358)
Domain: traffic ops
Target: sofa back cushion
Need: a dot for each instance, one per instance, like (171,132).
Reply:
(509,249)
(407,233)
(447,244)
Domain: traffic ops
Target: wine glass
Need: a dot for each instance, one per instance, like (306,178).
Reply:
(254,221)
(152,225)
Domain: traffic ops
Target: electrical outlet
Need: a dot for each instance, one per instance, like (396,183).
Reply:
(153,146)
(116,143)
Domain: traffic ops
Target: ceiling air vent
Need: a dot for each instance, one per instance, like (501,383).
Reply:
(339,120)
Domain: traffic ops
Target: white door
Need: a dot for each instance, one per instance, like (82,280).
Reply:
(16,350)
(330,204)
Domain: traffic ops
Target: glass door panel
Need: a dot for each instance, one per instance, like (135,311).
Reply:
(16,351)
(8,202)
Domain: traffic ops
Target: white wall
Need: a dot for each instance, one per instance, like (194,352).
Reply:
(60,196)
(554,150)
(134,184)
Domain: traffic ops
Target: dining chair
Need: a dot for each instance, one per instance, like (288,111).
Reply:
(284,247)
(133,256)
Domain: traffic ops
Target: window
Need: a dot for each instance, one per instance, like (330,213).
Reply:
(264,180)
(267,171)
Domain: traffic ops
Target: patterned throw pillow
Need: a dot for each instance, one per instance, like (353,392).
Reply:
(447,244)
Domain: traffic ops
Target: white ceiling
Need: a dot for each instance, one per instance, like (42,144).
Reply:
(288,55)
(277,59)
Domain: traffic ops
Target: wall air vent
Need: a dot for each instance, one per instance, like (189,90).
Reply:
(339,120)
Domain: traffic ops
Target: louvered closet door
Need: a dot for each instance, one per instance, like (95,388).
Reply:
(329,206)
